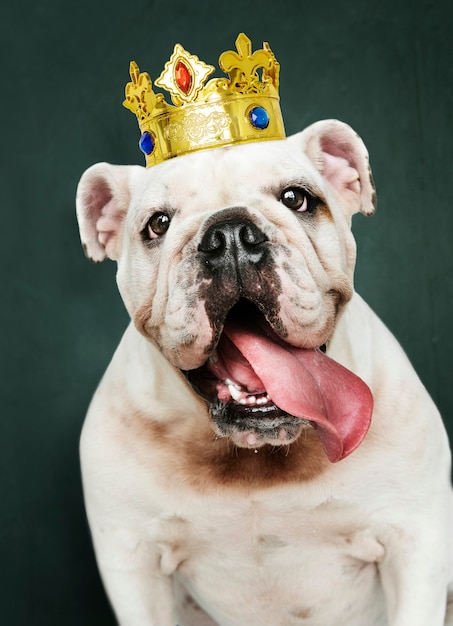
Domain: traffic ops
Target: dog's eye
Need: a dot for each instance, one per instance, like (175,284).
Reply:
(295,199)
(157,225)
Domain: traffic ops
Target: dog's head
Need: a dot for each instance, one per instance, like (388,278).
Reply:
(236,263)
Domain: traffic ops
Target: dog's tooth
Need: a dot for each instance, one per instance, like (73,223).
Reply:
(228,382)
(262,400)
(251,400)
(235,392)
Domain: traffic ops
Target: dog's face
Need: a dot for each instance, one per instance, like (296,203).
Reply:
(231,259)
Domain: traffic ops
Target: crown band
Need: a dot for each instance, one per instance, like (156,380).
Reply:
(221,112)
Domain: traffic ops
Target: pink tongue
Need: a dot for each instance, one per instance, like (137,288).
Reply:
(310,385)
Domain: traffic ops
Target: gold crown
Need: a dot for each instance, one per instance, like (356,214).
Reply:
(218,113)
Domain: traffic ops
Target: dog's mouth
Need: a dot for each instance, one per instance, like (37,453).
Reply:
(262,390)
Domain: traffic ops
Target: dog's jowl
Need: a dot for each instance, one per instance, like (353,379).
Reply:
(260,451)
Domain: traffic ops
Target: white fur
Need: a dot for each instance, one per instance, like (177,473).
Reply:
(367,542)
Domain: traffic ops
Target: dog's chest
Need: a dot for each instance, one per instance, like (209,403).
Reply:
(273,561)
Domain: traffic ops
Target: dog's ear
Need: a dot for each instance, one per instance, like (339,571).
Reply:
(340,155)
(103,197)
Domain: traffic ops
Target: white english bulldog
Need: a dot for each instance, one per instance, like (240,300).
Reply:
(260,451)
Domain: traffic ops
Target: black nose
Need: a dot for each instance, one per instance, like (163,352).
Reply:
(233,244)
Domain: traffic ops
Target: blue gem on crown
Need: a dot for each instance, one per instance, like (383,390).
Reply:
(146,143)
(259,117)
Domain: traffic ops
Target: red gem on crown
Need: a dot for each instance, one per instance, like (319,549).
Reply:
(183,77)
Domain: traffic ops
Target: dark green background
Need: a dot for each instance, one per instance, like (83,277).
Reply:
(384,67)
